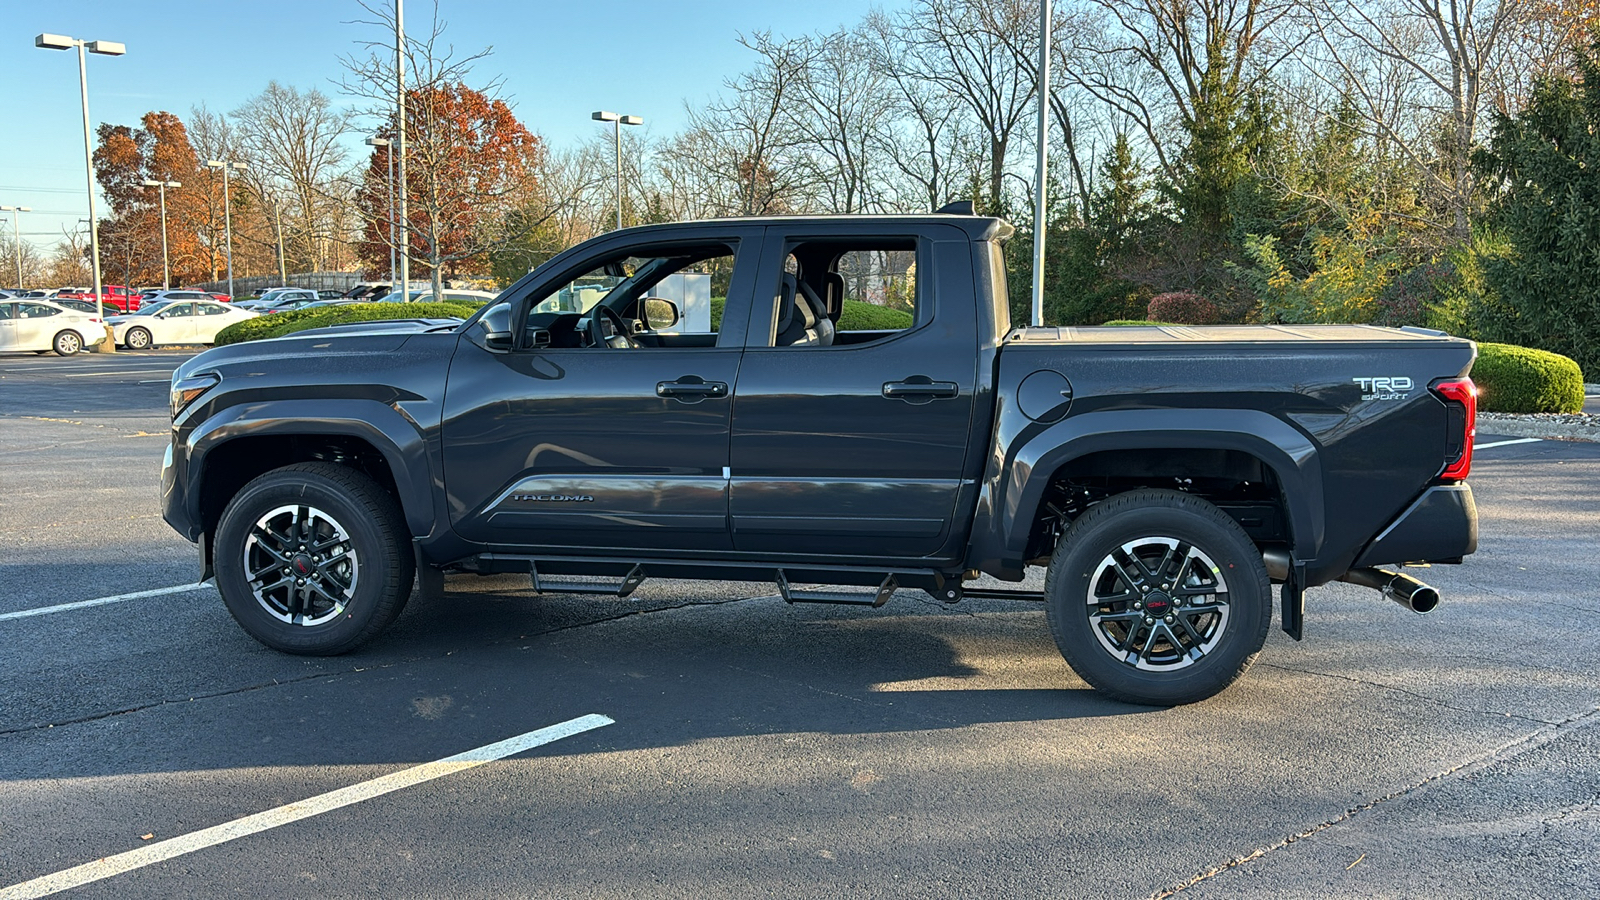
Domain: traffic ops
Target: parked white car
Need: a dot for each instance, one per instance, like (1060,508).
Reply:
(175,322)
(426,296)
(40,325)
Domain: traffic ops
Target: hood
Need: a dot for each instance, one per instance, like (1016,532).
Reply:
(348,343)
(387,326)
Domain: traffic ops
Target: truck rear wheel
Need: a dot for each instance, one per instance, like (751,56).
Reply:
(1158,597)
(311,559)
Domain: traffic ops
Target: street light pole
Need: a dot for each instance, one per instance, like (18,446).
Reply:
(404,243)
(1040,201)
(16,235)
(618,122)
(227,208)
(166,271)
(389,152)
(104,48)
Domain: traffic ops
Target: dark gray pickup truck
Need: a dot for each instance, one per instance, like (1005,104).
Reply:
(608,416)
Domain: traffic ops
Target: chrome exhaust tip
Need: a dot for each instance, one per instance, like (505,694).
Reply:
(1399,587)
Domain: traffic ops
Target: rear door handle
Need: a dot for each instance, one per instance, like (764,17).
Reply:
(921,389)
(691,389)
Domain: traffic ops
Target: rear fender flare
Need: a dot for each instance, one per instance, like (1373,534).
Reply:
(1015,487)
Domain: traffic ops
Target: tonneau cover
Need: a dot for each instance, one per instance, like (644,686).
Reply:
(1165,334)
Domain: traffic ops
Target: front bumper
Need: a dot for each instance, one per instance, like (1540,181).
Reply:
(174,485)
(1441,526)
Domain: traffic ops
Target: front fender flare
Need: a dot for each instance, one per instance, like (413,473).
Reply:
(1020,470)
(394,434)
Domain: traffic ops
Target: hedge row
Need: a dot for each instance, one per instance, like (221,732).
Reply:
(279,324)
(857,315)
(1513,379)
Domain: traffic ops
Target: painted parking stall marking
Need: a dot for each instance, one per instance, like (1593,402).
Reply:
(101,869)
(1495,444)
(102,601)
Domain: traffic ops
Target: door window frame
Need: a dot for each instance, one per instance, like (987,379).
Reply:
(780,243)
(745,242)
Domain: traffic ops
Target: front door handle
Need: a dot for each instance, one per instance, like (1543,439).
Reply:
(691,389)
(920,389)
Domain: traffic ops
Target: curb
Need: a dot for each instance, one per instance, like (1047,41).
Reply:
(1527,426)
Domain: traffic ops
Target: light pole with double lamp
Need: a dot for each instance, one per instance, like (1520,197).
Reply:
(103,48)
(618,122)
(16,235)
(386,143)
(166,272)
(227,209)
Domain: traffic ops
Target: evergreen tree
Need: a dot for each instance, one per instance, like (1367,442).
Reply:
(1546,164)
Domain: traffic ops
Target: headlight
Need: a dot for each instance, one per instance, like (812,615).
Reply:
(186,390)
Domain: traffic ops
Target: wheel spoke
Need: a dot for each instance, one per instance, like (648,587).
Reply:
(269,568)
(285,580)
(1129,568)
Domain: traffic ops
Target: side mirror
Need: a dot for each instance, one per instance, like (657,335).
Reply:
(492,331)
(660,313)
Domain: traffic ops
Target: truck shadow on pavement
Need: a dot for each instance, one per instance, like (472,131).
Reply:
(474,668)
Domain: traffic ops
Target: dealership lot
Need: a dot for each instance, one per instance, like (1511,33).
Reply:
(757,749)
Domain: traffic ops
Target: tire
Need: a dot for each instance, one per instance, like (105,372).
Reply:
(349,518)
(138,339)
(67,343)
(1117,562)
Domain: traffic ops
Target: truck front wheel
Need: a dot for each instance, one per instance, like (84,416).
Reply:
(1158,597)
(311,559)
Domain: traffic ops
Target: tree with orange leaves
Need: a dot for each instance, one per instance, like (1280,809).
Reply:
(158,150)
(471,166)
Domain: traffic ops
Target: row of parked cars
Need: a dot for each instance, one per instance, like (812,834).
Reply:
(65,321)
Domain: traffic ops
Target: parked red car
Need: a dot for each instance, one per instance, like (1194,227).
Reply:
(112,296)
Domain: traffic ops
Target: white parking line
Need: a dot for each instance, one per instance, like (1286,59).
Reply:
(102,601)
(283,815)
(1507,443)
(118,372)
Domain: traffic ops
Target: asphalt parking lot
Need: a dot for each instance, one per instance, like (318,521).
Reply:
(756,749)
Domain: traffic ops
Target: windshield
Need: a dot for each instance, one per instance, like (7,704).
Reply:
(150,309)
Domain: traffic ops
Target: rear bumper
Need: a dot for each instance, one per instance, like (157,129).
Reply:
(1441,526)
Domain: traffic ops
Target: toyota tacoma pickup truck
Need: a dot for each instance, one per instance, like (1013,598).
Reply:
(590,428)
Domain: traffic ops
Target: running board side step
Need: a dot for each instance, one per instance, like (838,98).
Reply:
(630,583)
(878,598)
(942,585)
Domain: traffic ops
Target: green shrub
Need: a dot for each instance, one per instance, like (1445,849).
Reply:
(1183,306)
(279,324)
(856,316)
(1514,379)
(860,316)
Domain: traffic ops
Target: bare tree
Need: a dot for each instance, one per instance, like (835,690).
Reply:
(33,262)
(1436,62)
(471,167)
(971,51)
(839,104)
(1172,66)
(292,140)
(69,259)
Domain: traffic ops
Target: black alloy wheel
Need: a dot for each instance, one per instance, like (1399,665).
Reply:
(1158,597)
(313,559)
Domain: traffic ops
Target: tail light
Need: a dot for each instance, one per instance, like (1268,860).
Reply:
(1461,425)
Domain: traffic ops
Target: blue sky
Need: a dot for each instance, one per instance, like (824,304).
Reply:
(560,61)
